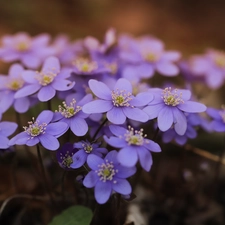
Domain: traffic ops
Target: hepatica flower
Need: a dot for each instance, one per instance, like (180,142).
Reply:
(10,84)
(107,176)
(30,51)
(86,148)
(218,118)
(64,155)
(46,82)
(71,113)
(133,146)
(41,130)
(118,103)
(6,129)
(169,107)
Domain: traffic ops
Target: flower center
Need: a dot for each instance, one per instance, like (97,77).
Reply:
(220,59)
(121,98)
(106,171)
(134,137)
(34,128)
(67,160)
(23,46)
(46,78)
(88,148)
(113,67)
(151,57)
(15,84)
(85,65)
(69,110)
(172,97)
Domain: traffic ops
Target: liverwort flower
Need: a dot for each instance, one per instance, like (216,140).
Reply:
(133,146)
(30,51)
(218,118)
(6,129)
(107,176)
(169,107)
(46,82)
(10,84)
(86,148)
(118,103)
(64,155)
(71,113)
(41,130)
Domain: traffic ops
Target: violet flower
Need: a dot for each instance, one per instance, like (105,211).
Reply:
(10,84)
(147,55)
(30,51)
(64,155)
(118,103)
(41,130)
(46,82)
(218,119)
(86,148)
(169,107)
(107,176)
(71,113)
(6,129)
(133,146)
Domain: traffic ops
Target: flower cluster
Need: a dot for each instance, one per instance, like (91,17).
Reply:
(96,106)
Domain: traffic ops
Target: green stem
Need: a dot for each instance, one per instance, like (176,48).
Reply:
(44,175)
(100,127)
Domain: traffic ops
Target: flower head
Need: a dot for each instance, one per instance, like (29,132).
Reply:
(41,130)
(169,107)
(107,176)
(133,146)
(118,103)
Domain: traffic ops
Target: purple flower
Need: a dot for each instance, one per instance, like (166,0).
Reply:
(10,84)
(147,55)
(41,130)
(6,129)
(64,155)
(30,51)
(193,120)
(71,113)
(46,82)
(169,107)
(118,103)
(218,116)
(133,146)
(211,66)
(107,176)
(85,148)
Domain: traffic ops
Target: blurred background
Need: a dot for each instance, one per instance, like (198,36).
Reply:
(186,25)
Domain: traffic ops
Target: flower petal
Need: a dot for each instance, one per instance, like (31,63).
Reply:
(112,156)
(180,121)
(142,99)
(153,110)
(90,179)
(102,191)
(128,156)
(4,142)
(21,105)
(152,146)
(93,161)
(192,107)
(51,64)
(117,130)
(116,115)
(165,118)
(167,69)
(145,158)
(62,85)
(45,116)
(121,186)
(49,142)
(136,114)
(123,84)
(7,128)
(100,89)
(97,106)
(78,126)
(79,158)
(57,129)
(125,172)
(27,90)
(46,93)
(115,142)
